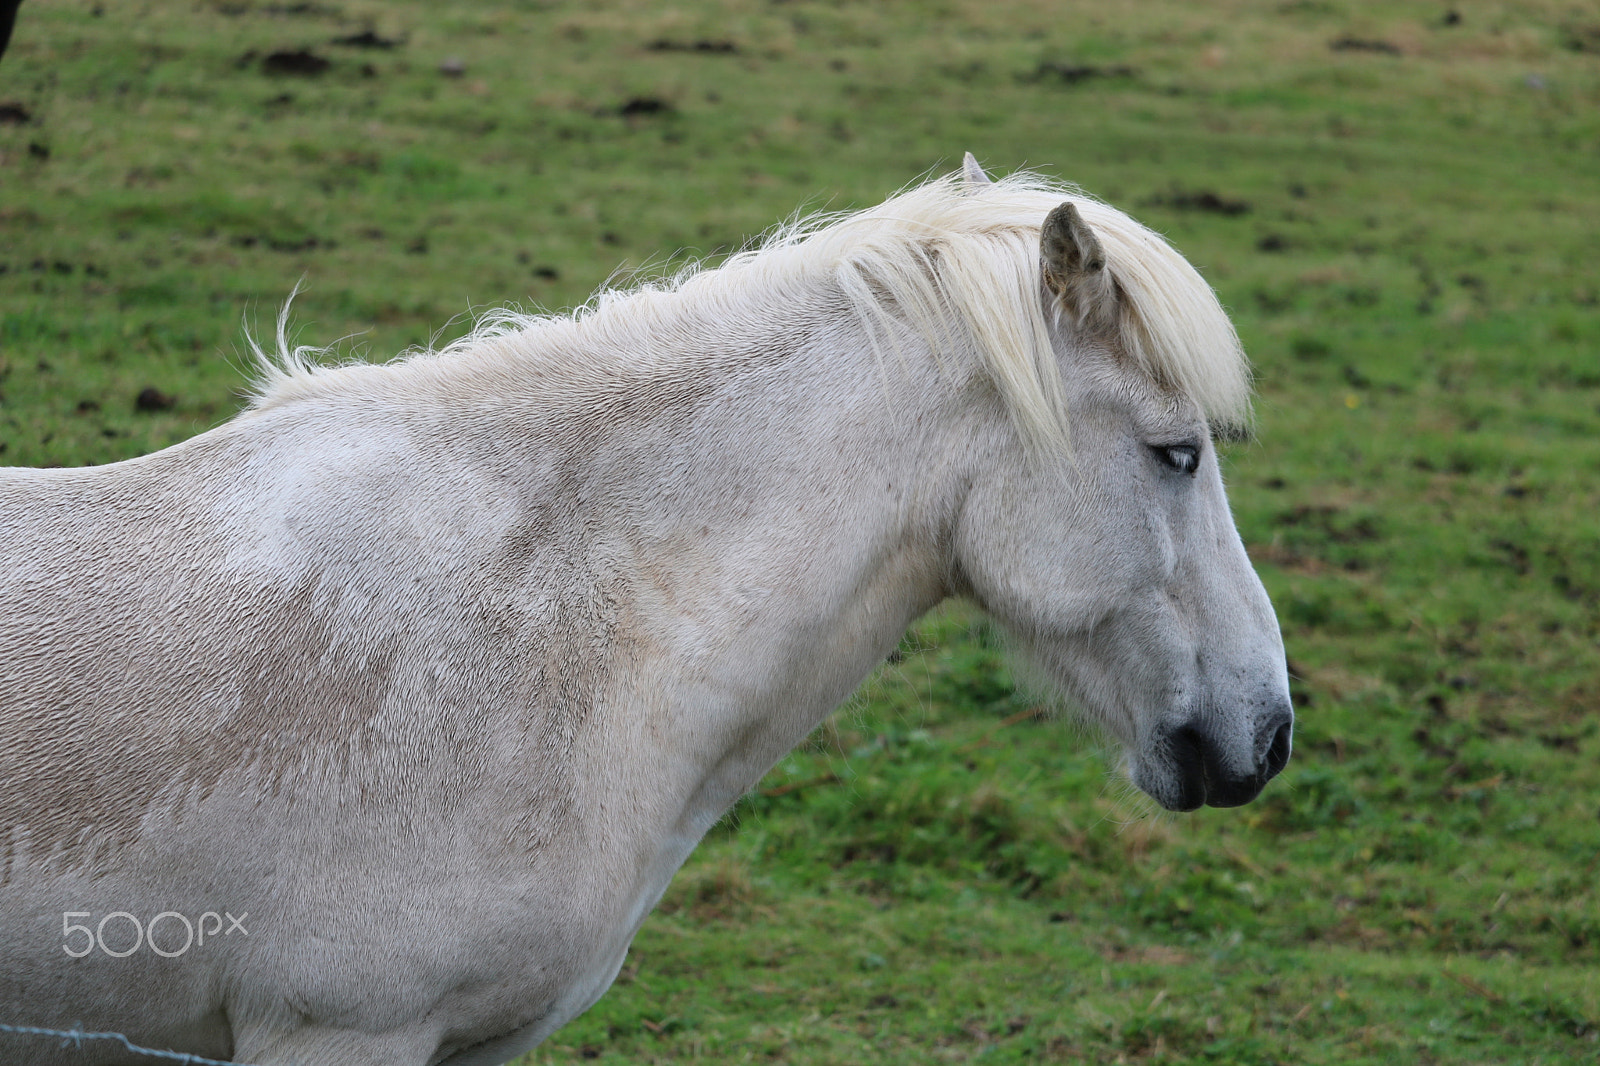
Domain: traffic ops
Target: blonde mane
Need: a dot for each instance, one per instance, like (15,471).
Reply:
(951,259)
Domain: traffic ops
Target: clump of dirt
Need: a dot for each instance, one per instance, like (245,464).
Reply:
(152,399)
(301,62)
(645,105)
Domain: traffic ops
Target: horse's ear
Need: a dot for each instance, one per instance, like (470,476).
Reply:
(1075,268)
(972,172)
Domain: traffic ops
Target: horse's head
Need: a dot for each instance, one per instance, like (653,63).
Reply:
(1115,564)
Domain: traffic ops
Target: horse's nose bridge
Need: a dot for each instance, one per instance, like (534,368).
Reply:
(1240,671)
(1217,569)
(1231,628)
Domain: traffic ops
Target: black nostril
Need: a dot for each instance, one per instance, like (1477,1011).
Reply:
(1278,752)
(1187,744)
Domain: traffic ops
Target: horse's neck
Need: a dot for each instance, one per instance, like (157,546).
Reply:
(776,521)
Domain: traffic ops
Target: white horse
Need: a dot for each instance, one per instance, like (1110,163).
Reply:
(429,675)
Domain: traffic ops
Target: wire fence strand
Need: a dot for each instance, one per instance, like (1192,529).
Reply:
(76,1037)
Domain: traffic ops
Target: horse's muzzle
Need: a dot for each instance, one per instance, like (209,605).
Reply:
(1208,772)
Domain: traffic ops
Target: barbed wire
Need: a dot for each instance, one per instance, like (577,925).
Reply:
(76,1037)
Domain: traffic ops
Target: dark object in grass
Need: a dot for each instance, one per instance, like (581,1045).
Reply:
(1202,200)
(1354,377)
(8,19)
(1582,38)
(281,244)
(645,105)
(1332,523)
(14,114)
(151,399)
(1075,73)
(1363,44)
(313,10)
(366,39)
(1452,17)
(1273,242)
(39,150)
(703,47)
(302,62)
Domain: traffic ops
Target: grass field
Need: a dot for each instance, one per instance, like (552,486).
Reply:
(1397,201)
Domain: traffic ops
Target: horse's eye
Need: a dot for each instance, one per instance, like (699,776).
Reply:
(1184,458)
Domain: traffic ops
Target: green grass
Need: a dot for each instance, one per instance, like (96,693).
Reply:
(938,875)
